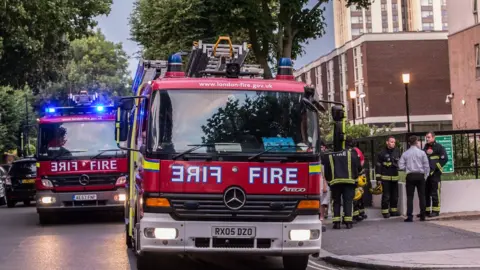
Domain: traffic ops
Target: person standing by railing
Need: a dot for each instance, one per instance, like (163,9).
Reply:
(386,172)
(415,164)
(437,157)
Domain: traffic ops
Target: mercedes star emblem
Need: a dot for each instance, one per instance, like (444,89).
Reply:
(234,198)
(84,180)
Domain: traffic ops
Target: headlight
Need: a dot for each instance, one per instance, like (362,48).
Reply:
(47,183)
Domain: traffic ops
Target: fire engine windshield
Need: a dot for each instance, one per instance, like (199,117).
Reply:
(78,139)
(232,121)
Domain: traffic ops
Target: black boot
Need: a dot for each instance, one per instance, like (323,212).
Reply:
(336,226)
(409,219)
(434,214)
(364,216)
(349,225)
(395,214)
(386,215)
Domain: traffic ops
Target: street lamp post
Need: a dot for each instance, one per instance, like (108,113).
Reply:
(353,96)
(362,97)
(406,81)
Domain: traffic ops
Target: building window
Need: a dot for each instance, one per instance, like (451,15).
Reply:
(394,7)
(369,30)
(477,60)
(444,26)
(369,19)
(384,7)
(395,29)
(444,2)
(427,14)
(427,26)
(475,11)
(385,30)
(356,31)
(426,2)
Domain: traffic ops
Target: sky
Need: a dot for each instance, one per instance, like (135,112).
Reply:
(115,27)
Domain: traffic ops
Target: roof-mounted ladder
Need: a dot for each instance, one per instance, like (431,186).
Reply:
(212,58)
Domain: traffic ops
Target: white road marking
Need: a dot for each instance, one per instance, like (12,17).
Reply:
(319,266)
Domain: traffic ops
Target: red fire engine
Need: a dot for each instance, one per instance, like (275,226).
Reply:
(221,161)
(79,167)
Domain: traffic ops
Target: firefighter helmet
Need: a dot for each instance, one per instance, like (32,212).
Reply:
(377,190)
(362,181)
(358,194)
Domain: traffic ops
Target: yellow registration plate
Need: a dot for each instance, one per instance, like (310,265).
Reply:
(28,181)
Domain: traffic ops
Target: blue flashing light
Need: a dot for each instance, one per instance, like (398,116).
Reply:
(50,110)
(100,108)
(175,59)
(285,62)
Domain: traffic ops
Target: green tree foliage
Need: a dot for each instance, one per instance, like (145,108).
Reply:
(95,64)
(12,116)
(273,27)
(35,36)
(355,131)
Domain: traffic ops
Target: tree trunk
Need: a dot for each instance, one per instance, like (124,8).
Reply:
(287,42)
(260,55)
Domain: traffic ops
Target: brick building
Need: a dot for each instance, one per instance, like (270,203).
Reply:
(464,54)
(372,66)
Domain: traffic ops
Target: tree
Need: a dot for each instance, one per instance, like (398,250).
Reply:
(96,65)
(35,36)
(273,27)
(12,116)
(355,131)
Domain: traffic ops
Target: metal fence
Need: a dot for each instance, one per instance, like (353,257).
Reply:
(462,148)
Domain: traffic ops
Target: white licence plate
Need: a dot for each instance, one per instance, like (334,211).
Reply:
(234,232)
(85,197)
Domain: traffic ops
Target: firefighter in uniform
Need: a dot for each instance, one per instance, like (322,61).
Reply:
(437,158)
(386,173)
(342,168)
(358,206)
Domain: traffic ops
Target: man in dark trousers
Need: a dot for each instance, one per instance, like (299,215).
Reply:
(414,162)
(386,172)
(341,171)
(437,157)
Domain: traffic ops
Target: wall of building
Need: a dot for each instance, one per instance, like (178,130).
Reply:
(427,63)
(461,14)
(374,64)
(465,82)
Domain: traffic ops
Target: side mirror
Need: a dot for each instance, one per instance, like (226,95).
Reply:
(126,104)
(338,113)
(121,125)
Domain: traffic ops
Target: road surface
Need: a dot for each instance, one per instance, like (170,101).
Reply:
(93,241)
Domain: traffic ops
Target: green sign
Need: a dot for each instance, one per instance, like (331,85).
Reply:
(447,143)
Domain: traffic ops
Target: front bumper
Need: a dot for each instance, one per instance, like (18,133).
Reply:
(106,201)
(14,194)
(272,238)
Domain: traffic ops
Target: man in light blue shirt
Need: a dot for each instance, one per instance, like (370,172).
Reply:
(414,162)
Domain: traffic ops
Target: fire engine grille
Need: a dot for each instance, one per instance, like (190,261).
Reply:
(74,180)
(260,208)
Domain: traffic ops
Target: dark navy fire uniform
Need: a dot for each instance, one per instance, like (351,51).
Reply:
(386,171)
(341,171)
(437,158)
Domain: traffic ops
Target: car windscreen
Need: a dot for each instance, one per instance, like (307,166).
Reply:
(77,139)
(240,121)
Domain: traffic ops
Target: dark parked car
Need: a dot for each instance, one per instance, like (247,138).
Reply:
(21,182)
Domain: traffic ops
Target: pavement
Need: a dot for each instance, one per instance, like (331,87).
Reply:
(377,243)
(88,241)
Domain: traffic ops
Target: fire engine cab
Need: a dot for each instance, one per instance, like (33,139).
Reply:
(222,161)
(79,167)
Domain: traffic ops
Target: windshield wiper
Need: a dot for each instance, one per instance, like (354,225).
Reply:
(105,150)
(272,148)
(195,147)
(64,152)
